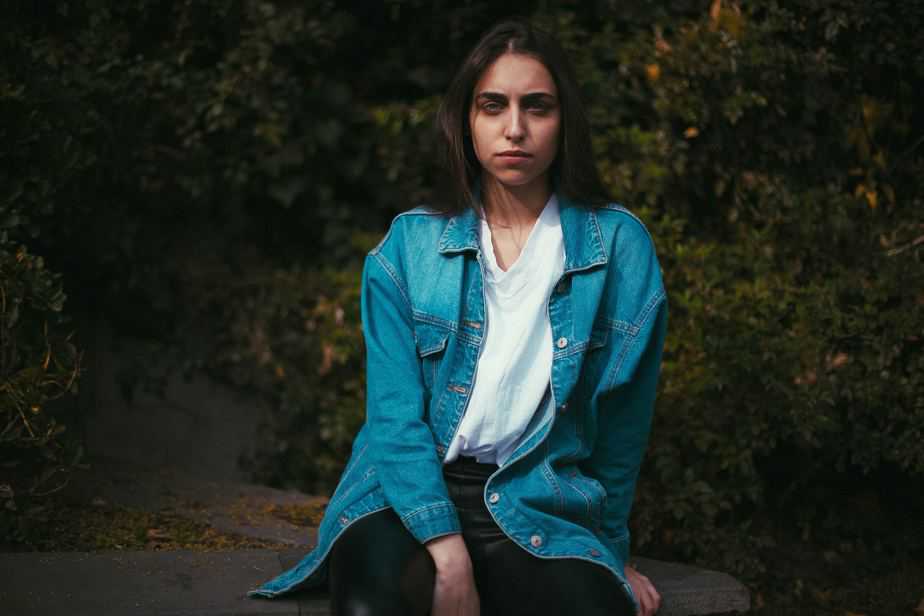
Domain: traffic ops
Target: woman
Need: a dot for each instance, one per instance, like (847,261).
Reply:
(513,344)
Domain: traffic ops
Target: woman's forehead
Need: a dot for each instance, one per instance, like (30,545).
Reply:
(515,73)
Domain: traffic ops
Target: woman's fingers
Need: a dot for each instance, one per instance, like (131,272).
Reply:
(654,599)
(455,596)
(648,597)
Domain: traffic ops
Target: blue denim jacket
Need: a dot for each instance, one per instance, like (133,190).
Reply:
(568,488)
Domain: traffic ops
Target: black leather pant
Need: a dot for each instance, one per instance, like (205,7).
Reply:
(377,568)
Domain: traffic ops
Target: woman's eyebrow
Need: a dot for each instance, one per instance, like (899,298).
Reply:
(527,98)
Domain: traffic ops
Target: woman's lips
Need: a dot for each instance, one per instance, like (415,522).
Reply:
(514,157)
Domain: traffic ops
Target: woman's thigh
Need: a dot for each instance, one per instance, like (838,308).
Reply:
(513,582)
(377,568)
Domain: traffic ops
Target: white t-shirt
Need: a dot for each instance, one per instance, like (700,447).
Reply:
(515,365)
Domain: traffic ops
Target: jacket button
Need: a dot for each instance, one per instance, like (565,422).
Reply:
(344,519)
(562,342)
(563,407)
(494,497)
(535,541)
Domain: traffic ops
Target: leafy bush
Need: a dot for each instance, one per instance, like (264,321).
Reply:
(239,158)
(38,364)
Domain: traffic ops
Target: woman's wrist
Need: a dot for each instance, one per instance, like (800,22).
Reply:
(449,553)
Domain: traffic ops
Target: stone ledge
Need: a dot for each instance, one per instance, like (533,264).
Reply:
(685,590)
(186,583)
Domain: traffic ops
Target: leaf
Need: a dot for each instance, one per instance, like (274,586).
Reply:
(158,533)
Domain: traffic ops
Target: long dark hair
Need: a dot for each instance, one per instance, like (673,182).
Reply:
(573,172)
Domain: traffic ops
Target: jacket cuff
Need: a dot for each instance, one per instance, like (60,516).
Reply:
(620,547)
(432,521)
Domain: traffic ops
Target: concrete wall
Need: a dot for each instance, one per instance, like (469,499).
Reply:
(197,425)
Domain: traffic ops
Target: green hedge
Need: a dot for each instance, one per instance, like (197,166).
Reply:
(236,160)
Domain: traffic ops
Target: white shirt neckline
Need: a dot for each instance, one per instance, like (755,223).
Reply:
(510,282)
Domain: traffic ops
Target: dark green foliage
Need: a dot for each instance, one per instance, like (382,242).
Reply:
(229,163)
(38,364)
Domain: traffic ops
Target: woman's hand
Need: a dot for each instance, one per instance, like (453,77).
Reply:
(454,593)
(648,598)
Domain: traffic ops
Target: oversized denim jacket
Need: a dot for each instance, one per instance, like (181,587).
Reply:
(567,490)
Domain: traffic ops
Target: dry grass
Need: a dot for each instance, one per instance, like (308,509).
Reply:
(70,528)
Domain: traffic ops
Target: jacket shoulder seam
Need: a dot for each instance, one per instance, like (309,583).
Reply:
(420,210)
(393,275)
(621,209)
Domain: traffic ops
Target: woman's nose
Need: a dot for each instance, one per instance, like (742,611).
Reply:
(515,129)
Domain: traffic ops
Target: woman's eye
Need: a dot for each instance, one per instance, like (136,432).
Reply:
(492,107)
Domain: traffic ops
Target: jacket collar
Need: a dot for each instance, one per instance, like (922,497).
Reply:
(580,229)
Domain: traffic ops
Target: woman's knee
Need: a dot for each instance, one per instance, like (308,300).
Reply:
(378,568)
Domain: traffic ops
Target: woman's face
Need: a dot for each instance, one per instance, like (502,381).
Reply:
(515,120)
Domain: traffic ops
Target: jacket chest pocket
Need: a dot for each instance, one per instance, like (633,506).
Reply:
(431,343)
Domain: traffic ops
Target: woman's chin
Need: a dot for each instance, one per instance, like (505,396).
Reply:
(518,181)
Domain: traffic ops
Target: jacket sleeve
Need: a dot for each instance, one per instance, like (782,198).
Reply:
(624,423)
(407,465)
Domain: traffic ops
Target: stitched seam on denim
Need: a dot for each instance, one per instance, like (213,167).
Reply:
(430,350)
(573,349)
(424,317)
(415,512)
(615,207)
(646,311)
(378,247)
(601,244)
(587,500)
(622,326)
(630,342)
(340,497)
(600,489)
(550,477)
(464,336)
(417,211)
(420,210)
(394,278)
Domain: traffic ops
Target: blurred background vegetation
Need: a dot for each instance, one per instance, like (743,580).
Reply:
(223,165)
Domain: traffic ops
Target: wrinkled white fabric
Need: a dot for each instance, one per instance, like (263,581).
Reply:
(515,364)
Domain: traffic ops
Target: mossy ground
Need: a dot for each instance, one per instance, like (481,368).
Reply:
(71,528)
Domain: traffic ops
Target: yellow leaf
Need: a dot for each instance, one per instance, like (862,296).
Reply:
(691,132)
(653,71)
(715,10)
(872,198)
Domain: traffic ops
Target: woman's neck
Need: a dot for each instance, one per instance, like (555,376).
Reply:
(513,206)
